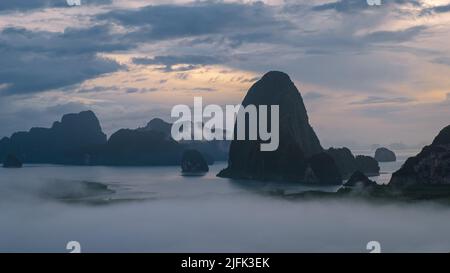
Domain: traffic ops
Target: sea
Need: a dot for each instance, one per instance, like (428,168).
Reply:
(48,208)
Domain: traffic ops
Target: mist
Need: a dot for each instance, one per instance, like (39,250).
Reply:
(228,219)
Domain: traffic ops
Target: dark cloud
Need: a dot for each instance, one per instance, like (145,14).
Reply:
(348,6)
(395,36)
(313,96)
(199,18)
(204,89)
(190,61)
(444,60)
(72,41)
(132,90)
(249,80)
(35,61)
(381,100)
(24,5)
(97,89)
(437,9)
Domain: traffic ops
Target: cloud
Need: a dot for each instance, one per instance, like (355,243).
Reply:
(436,9)
(25,5)
(97,89)
(395,36)
(204,89)
(36,61)
(132,90)
(190,61)
(382,100)
(195,19)
(349,6)
(444,60)
(313,96)
(62,109)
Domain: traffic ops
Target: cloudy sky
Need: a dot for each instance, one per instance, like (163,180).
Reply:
(367,74)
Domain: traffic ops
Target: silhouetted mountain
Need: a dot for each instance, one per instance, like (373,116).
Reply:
(430,167)
(11,161)
(214,150)
(443,138)
(385,155)
(359,179)
(193,161)
(63,143)
(344,159)
(322,169)
(137,148)
(367,164)
(293,160)
(348,163)
(158,125)
(78,139)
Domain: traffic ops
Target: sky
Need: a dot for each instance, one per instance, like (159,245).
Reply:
(368,74)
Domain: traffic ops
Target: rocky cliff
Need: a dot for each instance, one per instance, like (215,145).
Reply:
(297,157)
(431,167)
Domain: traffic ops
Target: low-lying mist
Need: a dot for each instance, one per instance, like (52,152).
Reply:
(243,222)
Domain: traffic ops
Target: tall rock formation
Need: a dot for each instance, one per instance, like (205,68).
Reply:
(430,167)
(298,143)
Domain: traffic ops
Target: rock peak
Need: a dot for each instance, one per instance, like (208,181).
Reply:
(443,138)
(276,76)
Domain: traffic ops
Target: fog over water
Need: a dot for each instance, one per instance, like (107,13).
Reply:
(157,210)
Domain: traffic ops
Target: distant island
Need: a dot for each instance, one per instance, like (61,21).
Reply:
(78,140)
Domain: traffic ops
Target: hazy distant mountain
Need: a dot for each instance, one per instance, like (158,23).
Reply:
(157,125)
(214,150)
(137,148)
(299,157)
(396,146)
(348,163)
(64,143)
(430,167)
(78,139)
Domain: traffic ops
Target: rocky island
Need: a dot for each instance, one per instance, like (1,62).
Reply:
(425,176)
(385,155)
(11,161)
(193,162)
(299,157)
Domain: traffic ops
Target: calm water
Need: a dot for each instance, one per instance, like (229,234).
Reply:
(156,210)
